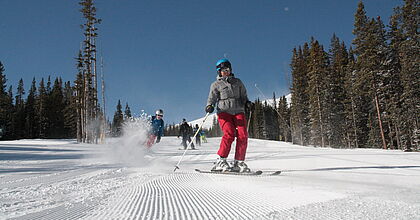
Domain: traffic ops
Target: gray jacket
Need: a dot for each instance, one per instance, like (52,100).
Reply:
(229,94)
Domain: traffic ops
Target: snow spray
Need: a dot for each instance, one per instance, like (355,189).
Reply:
(129,149)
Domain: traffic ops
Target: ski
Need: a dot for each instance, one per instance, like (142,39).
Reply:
(275,173)
(252,173)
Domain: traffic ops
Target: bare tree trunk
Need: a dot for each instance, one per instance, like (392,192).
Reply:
(301,133)
(320,119)
(397,131)
(291,129)
(380,121)
(354,123)
(103,131)
(390,137)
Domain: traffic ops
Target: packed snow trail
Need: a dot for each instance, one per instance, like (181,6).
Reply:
(60,179)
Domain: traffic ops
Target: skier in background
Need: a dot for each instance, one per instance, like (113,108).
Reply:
(198,137)
(156,132)
(185,131)
(203,136)
(229,95)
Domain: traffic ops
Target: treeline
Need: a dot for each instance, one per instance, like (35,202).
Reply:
(119,118)
(46,112)
(364,96)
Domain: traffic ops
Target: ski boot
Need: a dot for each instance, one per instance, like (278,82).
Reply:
(221,165)
(240,166)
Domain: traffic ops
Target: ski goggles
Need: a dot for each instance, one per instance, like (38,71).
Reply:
(226,69)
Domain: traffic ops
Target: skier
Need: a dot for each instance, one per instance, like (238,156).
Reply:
(198,137)
(203,136)
(156,131)
(185,131)
(229,95)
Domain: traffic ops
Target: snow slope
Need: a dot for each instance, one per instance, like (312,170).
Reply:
(207,124)
(60,179)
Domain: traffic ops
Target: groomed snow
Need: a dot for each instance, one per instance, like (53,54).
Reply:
(60,179)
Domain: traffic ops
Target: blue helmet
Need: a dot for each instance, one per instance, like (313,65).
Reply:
(223,63)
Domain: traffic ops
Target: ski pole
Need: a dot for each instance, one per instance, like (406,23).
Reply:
(185,151)
(249,121)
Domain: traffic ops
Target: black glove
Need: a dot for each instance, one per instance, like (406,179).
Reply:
(209,109)
(158,139)
(250,106)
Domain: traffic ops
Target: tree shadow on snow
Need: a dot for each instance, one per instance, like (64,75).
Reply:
(4,148)
(56,169)
(29,156)
(355,168)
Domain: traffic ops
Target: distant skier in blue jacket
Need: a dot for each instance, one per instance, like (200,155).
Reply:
(156,131)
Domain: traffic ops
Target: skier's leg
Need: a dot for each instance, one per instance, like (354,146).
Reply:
(227,124)
(151,140)
(192,144)
(184,141)
(242,139)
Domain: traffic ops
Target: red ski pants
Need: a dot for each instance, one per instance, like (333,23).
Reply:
(151,140)
(233,125)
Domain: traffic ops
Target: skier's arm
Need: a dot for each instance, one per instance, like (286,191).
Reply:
(160,132)
(212,99)
(213,95)
(161,128)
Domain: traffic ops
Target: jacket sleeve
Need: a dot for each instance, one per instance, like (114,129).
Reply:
(244,94)
(161,128)
(213,95)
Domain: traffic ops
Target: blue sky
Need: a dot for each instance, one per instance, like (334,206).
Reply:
(161,53)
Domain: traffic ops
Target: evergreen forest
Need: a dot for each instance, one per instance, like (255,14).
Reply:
(359,94)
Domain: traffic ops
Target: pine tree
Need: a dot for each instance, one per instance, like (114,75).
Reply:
(6,105)
(369,47)
(394,87)
(56,110)
(300,98)
(336,93)
(19,112)
(43,123)
(317,88)
(127,112)
(275,120)
(3,101)
(350,125)
(70,112)
(258,121)
(10,132)
(363,80)
(410,64)
(214,131)
(284,120)
(117,121)
(30,112)
(79,99)
(90,114)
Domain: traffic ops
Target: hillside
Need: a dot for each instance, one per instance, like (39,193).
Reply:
(60,179)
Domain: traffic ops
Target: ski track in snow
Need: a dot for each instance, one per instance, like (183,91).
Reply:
(316,183)
(182,196)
